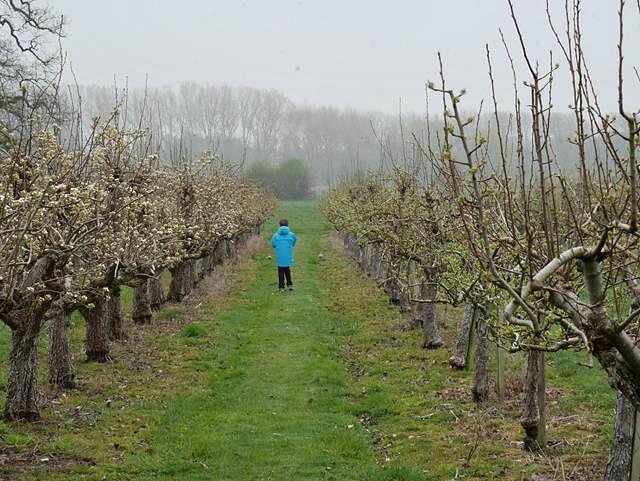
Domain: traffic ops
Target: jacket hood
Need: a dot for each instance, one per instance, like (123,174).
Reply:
(284,230)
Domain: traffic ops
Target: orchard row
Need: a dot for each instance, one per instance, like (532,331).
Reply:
(479,213)
(77,224)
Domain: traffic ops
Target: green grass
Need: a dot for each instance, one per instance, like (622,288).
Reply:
(275,401)
(420,412)
(194,330)
(322,383)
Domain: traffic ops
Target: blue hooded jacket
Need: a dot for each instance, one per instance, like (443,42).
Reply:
(283,241)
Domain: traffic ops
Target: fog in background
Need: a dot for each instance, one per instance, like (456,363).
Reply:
(265,80)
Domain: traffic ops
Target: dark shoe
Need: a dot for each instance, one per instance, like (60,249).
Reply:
(290,288)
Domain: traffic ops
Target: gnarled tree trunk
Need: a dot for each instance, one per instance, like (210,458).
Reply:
(214,261)
(223,249)
(193,274)
(97,342)
(141,310)
(22,386)
(347,241)
(377,272)
(533,416)
(393,289)
(219,254)
(204,268)
(209,263)
(463,346)
(155,292)
(180,286)
(231,248)
(426,316)
(114,315)
(481,384)
(61,372)
(616,351)
(366,259)
(404,302)
(360,256)
(620,456)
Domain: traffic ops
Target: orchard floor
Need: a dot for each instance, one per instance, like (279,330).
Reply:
(322,383)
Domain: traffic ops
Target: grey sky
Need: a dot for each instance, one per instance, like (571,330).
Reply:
(364,54)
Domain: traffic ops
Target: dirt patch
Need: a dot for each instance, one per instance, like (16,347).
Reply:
(460,393)
(12,464)
(586,471)
(562,471)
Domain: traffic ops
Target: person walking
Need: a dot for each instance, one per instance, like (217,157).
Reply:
(283,241)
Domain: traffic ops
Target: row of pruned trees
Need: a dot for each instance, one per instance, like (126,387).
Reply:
(406,236)
(78,224)
(88,206)
(486,217)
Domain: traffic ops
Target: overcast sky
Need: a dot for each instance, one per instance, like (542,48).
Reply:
(365,54)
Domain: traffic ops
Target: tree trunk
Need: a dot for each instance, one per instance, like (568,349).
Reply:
(205,269)
(481,386)
(214,261)
(193,274)
(371,262)
(393,290)
(141,310)
(501,357)
(376,268)
(114,317)
(620,456)
(219,252)
(347,242)
(500,372)
(426,316)
(616,351)
(210,262)
(463,346)
(635,455)
(180,281)
(231,248)
(97,342)
(155,293)
(61,372)
(533,417)
(355,248)
(224,249)
(404,301)
(22,385)
(366,259)
(242,241)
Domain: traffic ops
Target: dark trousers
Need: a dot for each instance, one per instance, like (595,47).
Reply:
(284,272)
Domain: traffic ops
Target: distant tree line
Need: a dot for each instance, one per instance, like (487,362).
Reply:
(289,180)
(247,125)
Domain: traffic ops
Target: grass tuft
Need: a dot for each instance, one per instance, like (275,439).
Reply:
(194,330)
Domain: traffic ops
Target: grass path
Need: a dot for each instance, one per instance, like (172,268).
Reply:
(276,403)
